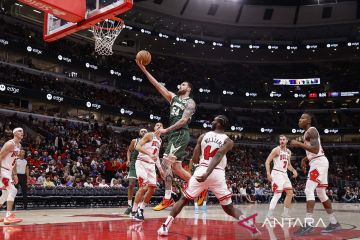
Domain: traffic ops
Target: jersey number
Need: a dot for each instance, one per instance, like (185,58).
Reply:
(208,154)
(285,164)
(175,111)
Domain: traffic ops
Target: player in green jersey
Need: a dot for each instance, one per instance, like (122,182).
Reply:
(182,107)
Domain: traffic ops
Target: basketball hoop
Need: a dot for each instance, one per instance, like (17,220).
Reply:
(105,33)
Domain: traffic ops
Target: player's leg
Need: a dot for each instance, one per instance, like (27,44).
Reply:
(142,183)
(194,188)
(180,171)
(326,202)
(277,188)
(132,182)
(289,196)
(10,217)
(151,186)
(204,209)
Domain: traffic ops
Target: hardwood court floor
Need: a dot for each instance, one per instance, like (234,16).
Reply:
(109,223)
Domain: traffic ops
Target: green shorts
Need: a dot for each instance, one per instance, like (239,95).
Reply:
(177,143)
(132,169)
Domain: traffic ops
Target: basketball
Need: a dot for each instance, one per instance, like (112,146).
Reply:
(144,57)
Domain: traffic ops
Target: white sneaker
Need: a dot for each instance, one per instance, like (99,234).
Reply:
(287,216)
(163,230)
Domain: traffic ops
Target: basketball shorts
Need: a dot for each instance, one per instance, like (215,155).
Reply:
(146,173)
(318,172)
(177,143)
(5,178)
(216,183)
(280,181)
(132,169)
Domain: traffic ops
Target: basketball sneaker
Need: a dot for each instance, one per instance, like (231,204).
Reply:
(204,209)
(201,197)
(331,228)
(163,230)
(128,210)
(139,216)
(165,203)
(11,219)
(196,210)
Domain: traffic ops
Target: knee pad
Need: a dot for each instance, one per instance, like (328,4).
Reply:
(309,193)
(276,196)
(321,194)
(12,193)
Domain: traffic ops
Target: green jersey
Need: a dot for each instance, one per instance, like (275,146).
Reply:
(177,108)
(134,154)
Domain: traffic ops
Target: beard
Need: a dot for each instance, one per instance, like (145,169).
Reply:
(181,92)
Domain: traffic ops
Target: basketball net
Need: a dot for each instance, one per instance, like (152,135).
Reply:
(105,34)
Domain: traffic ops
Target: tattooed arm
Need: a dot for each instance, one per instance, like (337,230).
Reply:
(188,112)
(313,137)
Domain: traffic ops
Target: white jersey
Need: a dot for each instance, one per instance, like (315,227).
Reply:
(152,147)
(310,155)
(9,161)
(210,144)
(281,161)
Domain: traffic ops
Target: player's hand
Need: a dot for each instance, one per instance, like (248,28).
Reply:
(127,163)
(15,179)
(269,177)
(202,178)
(161,131)
(303,165)
(294,143)
(141,66)
(295,174)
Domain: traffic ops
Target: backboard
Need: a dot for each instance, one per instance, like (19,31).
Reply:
(96,11)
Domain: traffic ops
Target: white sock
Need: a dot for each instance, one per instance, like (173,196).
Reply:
(204,203)
(309,219)
(8,213)
(196,204)
(332,218)
(143,205)
(286,210)
(130,203)
(169,221)
(135,207)
(167,194)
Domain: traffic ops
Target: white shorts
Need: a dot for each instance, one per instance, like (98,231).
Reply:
(318,172)
(146,173)
(280,181)
(216,183)
(5,178)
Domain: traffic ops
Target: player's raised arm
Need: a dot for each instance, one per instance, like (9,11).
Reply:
(188,112)
(313,136)
(160,88)
(271,156)
(197,150)
(228,145)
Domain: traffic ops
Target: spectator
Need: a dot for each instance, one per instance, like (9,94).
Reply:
(48,183)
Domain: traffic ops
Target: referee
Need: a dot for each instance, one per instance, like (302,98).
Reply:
(22,169)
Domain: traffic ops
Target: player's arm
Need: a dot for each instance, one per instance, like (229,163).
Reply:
(131,148)
(160,88)
(197,150)
(228,145)
(290,167)
(8,147)
(188,112)
(139,147)
(271,156)
(313,136)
